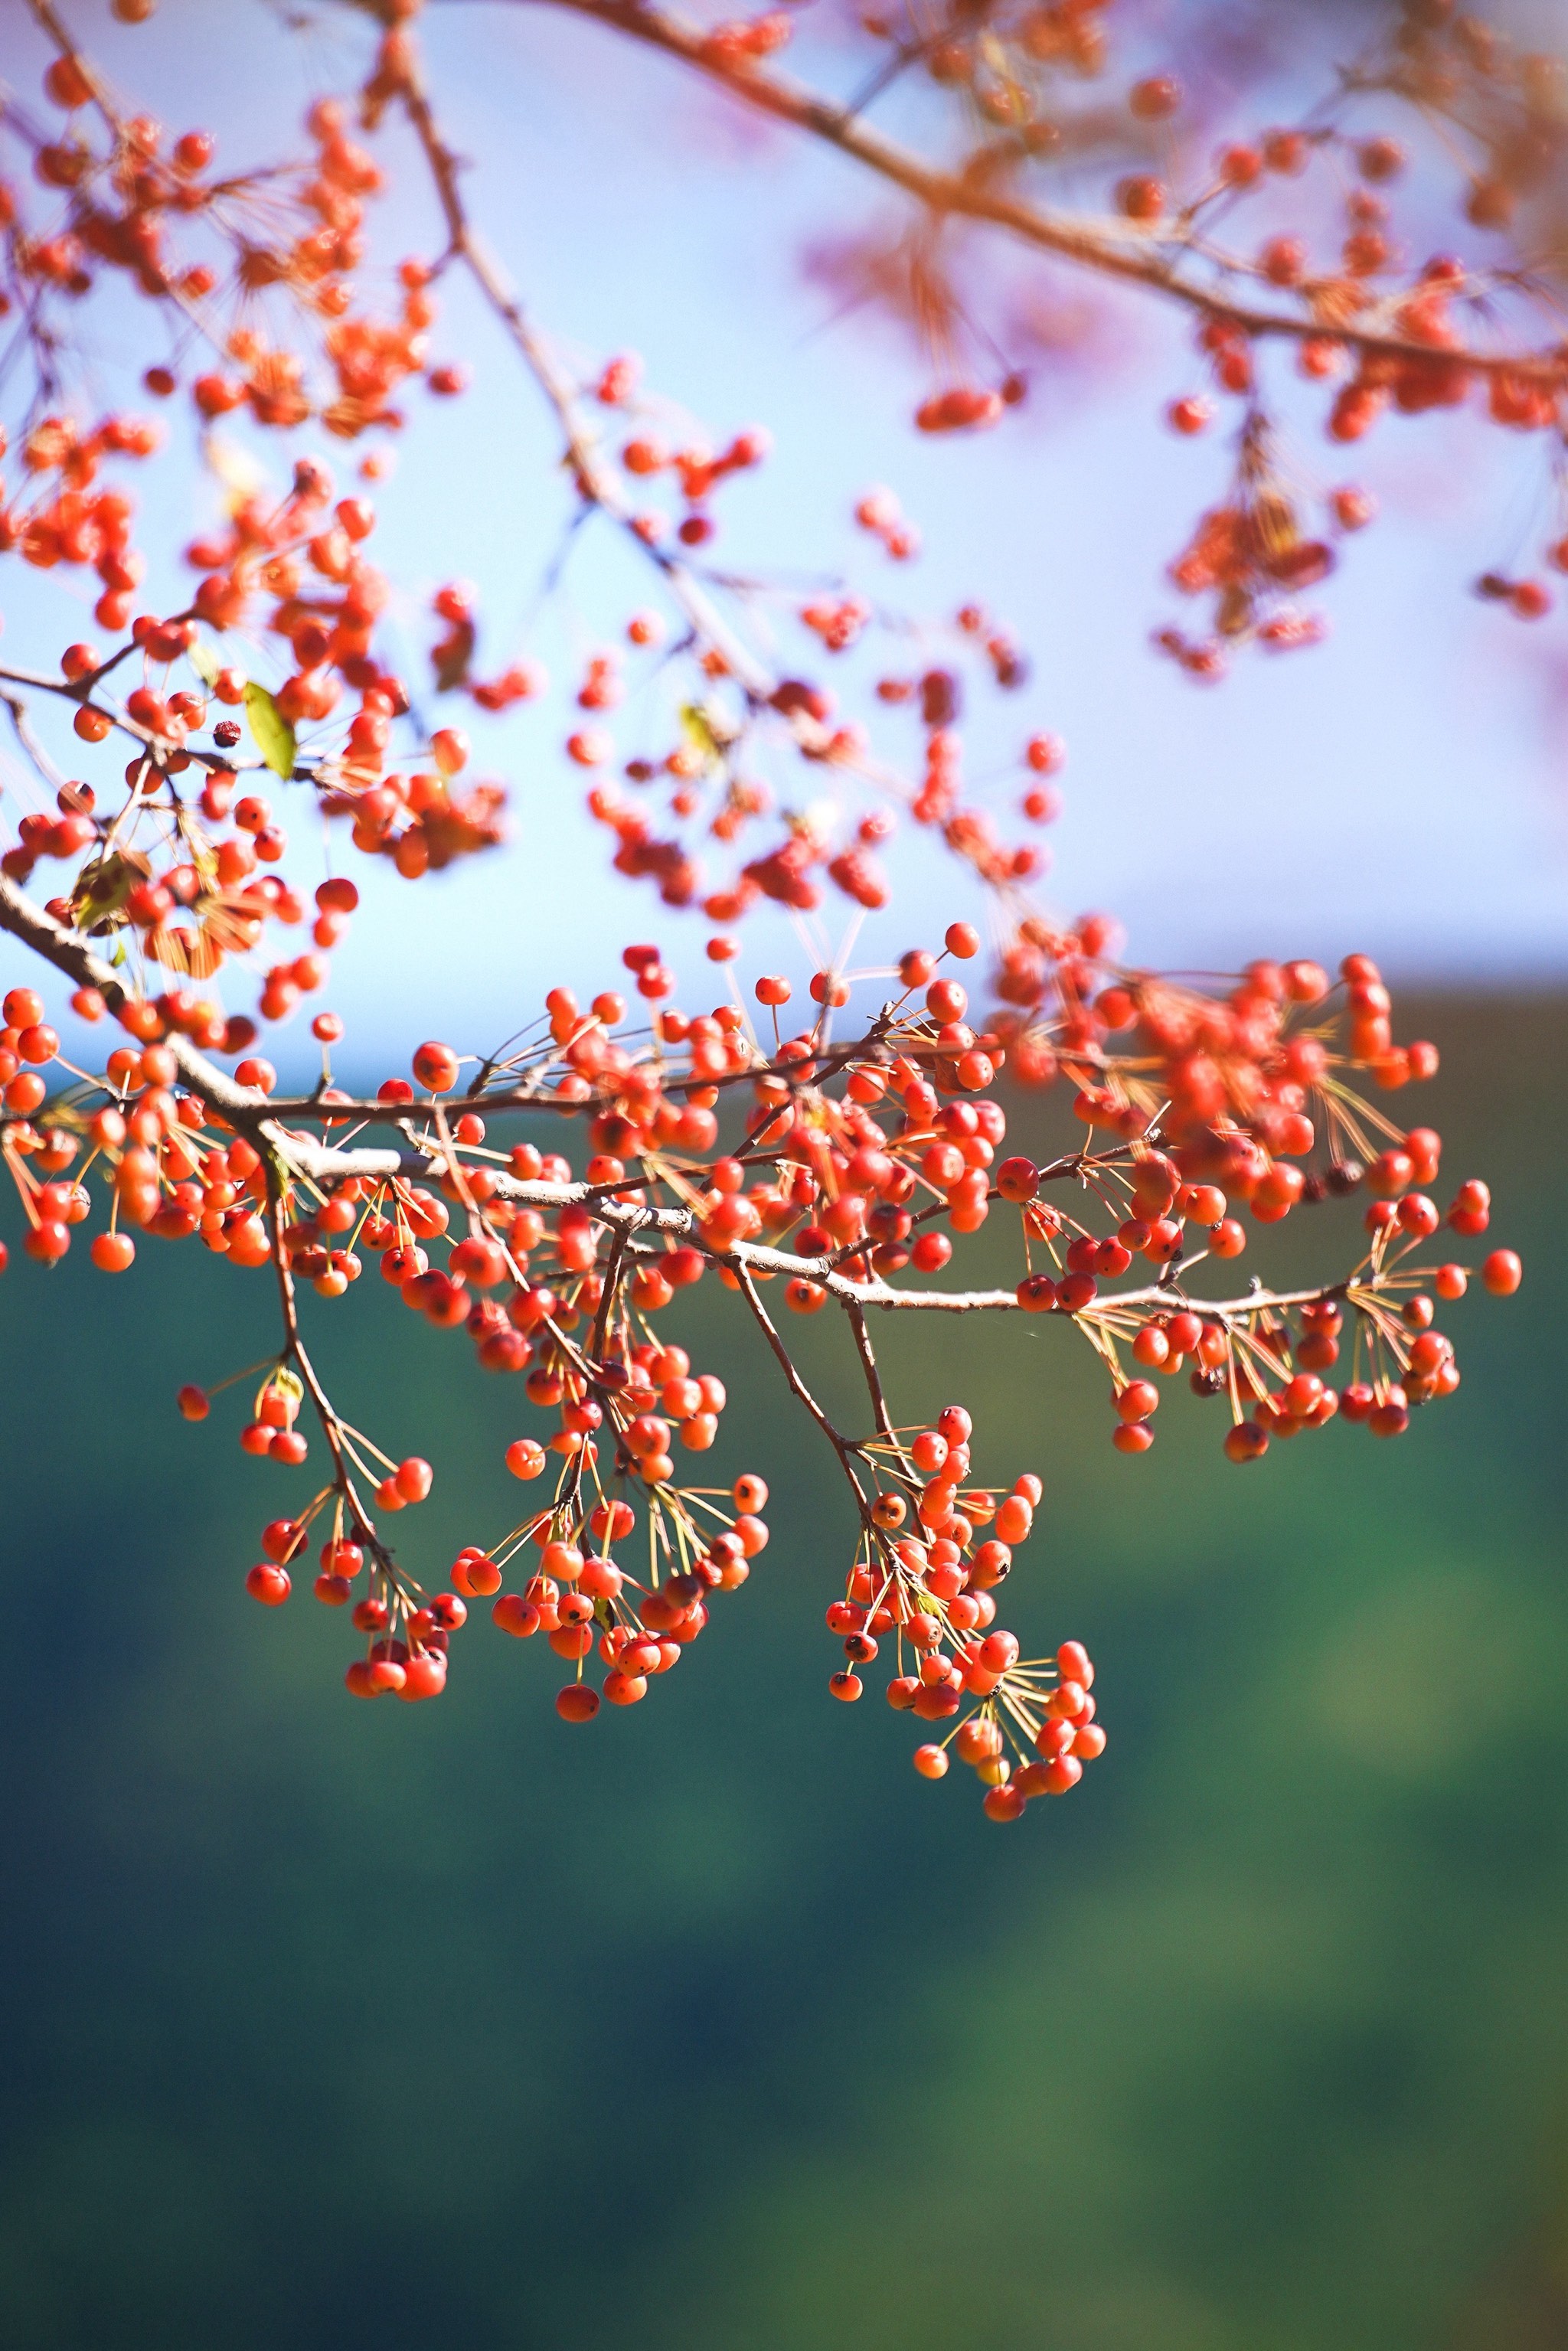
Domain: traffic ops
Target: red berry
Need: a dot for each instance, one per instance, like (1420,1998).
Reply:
(1502,1273)
(435,1067)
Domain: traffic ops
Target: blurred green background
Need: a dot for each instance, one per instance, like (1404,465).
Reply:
(710,2024)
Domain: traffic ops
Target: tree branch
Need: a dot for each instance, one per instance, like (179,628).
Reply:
(1133,256)
(249,1111)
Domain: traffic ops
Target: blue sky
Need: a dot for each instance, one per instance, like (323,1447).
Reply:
(1398,789)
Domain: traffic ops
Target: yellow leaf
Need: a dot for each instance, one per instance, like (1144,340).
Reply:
(698,731)
(273,734)
(282,1383)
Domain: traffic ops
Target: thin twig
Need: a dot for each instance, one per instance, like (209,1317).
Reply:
(597,482)
(856,1313)
(840,1444)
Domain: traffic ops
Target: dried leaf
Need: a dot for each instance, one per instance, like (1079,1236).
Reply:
(102,888)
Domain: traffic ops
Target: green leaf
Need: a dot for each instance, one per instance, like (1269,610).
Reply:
(203,660)
(273,734)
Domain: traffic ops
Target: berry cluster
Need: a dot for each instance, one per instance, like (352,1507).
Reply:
(931,1590)
(853,1165)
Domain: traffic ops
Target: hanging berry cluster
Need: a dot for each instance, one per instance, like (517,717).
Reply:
(850,1173)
